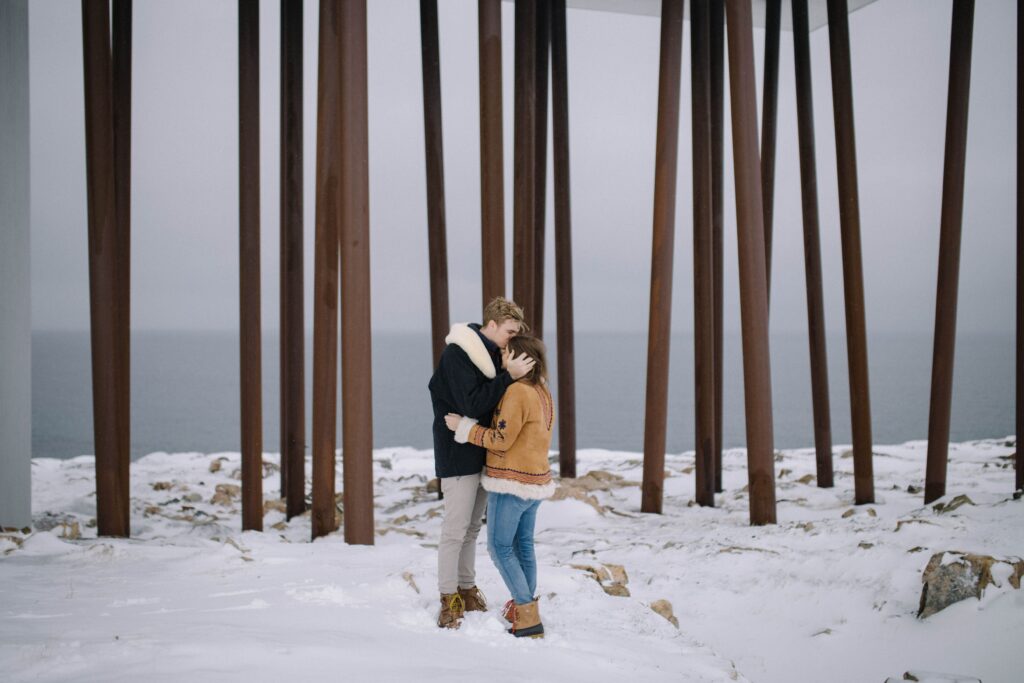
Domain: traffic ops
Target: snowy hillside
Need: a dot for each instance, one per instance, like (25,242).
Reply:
(828,594)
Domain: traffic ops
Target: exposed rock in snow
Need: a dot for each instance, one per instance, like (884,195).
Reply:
(953,576)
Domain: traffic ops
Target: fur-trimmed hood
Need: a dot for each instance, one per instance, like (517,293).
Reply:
(468,339)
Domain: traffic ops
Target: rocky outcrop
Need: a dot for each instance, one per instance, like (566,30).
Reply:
(952,576)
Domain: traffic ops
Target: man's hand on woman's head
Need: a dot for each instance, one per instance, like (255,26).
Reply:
(452,420)
(519,366)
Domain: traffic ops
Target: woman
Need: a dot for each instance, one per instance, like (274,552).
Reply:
(517,478)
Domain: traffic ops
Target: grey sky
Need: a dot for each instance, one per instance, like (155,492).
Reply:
(185,196)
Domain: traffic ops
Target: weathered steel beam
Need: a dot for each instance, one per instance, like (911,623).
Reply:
(325,275)
(703,257)
(563,244)
(122,99)
(951,222)
(109,425)
(812,246)
(769,117)
(1019,484)
(717,18)
(541,160)
(437,245)
(753,279)
(293,402)
(853,271)
(524,184)
(249,262)
(356,379)
(659,328)
(492,173)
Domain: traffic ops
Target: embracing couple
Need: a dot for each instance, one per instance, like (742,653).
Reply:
(493,417)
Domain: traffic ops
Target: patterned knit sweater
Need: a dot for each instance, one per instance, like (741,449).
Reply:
(517,442)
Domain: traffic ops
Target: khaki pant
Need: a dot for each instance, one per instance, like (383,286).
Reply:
(464,504)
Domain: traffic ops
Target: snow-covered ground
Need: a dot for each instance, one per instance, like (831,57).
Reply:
(825,595)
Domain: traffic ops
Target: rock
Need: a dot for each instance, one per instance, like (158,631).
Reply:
(215,465)
(932,677)
(806,479)
(193,497)
(913,489)
(564,492)
(664,608)
(872,513)
(233,490)
(434,486)
(280,526)
(411,580)
(221,498)
(785,472)
(70,530)
(278,505)
(162,485)
(611,577)
(958,501)
(953,576)
(849,513)
(865,545)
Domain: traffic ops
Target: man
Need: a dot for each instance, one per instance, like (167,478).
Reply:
(469,380)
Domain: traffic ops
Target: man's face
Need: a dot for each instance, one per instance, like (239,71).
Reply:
(500,334)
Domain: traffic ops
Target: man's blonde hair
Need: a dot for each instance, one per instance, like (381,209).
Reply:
(501,309)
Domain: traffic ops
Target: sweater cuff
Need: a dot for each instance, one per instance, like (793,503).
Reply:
(462,431)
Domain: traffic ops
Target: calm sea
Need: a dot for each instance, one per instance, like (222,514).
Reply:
(185,391)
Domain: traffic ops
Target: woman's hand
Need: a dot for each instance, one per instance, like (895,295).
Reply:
(452,420)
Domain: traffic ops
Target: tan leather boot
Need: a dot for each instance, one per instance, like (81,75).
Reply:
(473,599)
(452,610)
(527,621)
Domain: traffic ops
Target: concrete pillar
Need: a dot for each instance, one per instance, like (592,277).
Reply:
(15,256)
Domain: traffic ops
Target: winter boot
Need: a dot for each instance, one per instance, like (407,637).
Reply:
(509,611)
(473,599)
(527,621)
(452,610)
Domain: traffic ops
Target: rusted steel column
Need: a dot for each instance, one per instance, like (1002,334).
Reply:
(109,427)
(853,271)
(356,384)
(1019,484)
(769,118)
(524,154)
(750,247)
(541,160)
(437,248)
(293,401)
(949,248)
(325,267)
(249,261)
(717,18)
(812,246)
(563,244)
(122,98)
(659,328)
(492,173)
(703,258)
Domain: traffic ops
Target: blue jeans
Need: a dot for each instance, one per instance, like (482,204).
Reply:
(510,522)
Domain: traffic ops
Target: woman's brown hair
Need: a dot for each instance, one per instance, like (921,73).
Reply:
(535,349)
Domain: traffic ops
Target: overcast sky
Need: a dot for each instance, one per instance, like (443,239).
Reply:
(185,182)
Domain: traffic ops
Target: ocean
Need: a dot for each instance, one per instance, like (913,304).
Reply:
(185,391)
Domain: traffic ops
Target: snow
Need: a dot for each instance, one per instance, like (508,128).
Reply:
(816,597)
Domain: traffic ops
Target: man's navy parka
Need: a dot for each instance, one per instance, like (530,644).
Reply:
(468,381)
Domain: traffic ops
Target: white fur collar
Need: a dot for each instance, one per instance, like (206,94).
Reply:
(469,341)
